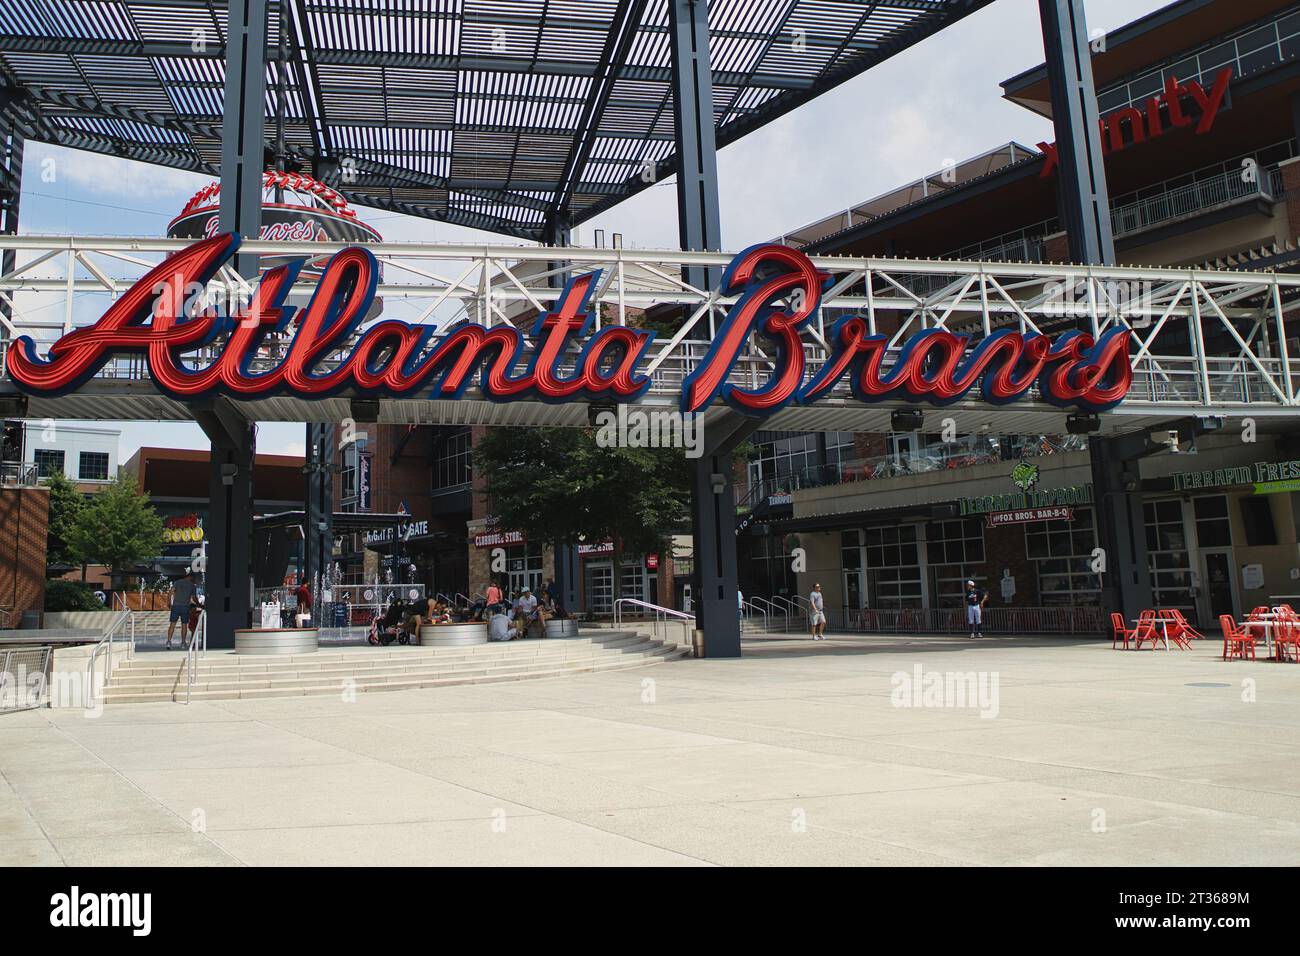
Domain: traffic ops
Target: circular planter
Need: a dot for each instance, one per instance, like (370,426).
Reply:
(567,628)
(276,640)
(453,635)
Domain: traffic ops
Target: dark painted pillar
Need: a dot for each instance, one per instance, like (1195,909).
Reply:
(1085,211)
(1121,527)
(318,532)
(11,182)
(1084,198)
(713,527)
(243,139)
(228,581)
(567,576)
(698,219)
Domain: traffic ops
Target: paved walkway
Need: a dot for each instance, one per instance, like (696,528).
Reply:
(795,754)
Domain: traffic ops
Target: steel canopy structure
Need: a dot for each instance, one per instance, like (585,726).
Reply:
(520,117)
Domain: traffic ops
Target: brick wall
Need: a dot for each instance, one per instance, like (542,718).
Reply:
(1057,248)
(1004,548)
(1291,186)
(24,517)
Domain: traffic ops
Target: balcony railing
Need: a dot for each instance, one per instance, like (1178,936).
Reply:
(18,474)
(1193,199)
(947,457)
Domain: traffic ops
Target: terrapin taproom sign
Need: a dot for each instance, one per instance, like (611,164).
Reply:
(392,358)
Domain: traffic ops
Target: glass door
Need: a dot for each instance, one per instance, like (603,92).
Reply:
(1217,587)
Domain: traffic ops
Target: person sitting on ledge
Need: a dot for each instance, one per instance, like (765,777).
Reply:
(498,626)
(525,610)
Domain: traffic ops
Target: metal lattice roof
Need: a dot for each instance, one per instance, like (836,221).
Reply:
(496,114)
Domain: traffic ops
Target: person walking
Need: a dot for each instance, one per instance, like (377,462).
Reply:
(817,613)
(976,598)
(182,596)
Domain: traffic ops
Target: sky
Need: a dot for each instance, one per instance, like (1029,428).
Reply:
(935,103)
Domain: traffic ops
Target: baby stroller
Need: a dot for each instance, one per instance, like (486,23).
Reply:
(391,626)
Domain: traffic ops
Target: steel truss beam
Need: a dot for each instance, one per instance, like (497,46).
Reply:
(1203,343)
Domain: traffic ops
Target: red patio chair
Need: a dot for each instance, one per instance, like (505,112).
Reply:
(1286,637)
(1184,626)
(1119,631)
(1147,630)
(1236,639)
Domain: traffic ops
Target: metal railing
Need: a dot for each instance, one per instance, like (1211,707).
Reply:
(1082,621)
(19,474)
(748,607)
(125,623)
(663,616)
(197,647)
(1245,53)
(902,464)
(1240,314)
(1189,200)
(17,690)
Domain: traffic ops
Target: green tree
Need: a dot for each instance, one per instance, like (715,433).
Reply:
(118,527)
(556,485)
(66,503)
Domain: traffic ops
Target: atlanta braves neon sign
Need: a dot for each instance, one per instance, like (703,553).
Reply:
(392,358)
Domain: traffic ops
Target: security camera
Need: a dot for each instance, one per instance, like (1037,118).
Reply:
(718,483)
(228,474)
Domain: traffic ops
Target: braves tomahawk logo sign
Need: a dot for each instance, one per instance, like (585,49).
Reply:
(393,358)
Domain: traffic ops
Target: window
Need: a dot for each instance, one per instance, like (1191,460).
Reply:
(784,461)
(894,569)
(524,568)
(952,549)
(1213,529)
(769,565)
(1257,517)
(452,467)
(1168,556)
(93,466)
(48,461)
(349,496)
(1062,555)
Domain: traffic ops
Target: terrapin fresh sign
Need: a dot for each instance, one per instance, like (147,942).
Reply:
(159,318)
(1261,472)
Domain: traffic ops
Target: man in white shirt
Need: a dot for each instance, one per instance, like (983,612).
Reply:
(817,613)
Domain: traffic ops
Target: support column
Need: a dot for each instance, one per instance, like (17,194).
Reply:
(713,527)
(12,142)
(228,580)
(243,129)
(1084,198)
(566,576)
(318,543)
(698,220)
(1121,524)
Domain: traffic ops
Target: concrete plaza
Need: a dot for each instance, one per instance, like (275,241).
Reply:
(798,753)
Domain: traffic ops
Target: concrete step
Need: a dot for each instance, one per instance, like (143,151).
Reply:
(129,676)
(432,678)
(227,663)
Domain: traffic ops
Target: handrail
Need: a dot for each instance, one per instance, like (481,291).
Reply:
(198,639)
(789,606)
(662,614)
(767,619)
(126,617)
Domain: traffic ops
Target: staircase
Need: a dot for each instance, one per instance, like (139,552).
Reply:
(223,675)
